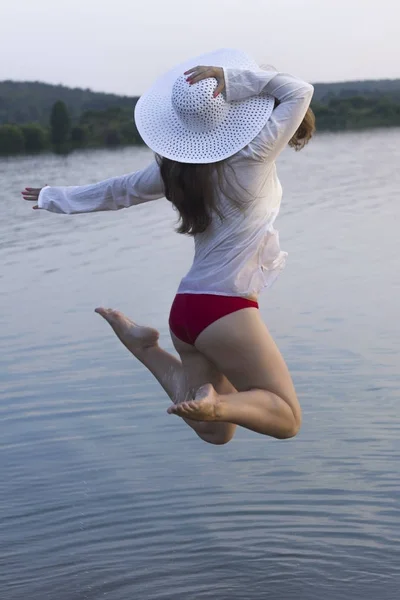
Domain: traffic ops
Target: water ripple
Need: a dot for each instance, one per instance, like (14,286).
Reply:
(103,494)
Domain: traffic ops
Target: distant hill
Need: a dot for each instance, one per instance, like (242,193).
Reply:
(371,89)
(27,102)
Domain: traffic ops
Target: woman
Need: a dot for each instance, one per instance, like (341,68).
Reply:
(216,131)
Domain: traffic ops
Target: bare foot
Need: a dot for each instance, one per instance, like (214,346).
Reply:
(135,337)
(204,407)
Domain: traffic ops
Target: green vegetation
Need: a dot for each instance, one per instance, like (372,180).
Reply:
(35,137)
(113,126)
(60,125)
(323,92)
(37,116)
(11,140)
(110,128)
(357,112)
(31,101)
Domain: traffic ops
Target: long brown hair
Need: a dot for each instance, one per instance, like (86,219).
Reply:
(191,187)
(305,131)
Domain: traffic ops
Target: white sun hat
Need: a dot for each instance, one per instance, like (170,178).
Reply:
(186,123)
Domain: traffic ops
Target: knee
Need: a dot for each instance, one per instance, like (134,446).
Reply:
(288,433)
(291,428)
(218,439)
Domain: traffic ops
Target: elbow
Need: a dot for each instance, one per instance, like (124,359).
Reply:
(305,91)
(306,94)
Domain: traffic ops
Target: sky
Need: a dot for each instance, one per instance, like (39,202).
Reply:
(121,46)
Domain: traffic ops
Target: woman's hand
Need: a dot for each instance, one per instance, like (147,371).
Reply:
(198,73)
(32,194)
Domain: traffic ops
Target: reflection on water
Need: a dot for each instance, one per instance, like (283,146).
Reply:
(103,494)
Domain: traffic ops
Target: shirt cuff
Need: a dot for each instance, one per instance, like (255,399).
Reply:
(42,198)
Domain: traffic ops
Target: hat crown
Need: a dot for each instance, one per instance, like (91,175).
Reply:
(195,105)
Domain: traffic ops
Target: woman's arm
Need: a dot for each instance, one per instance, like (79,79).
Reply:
(111,194)
(293,94)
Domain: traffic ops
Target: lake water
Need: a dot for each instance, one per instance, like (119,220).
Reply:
(104,495)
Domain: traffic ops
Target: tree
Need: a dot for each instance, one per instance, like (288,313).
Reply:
(11,140)
(60,125)
(35,137)
(112,138)
(78,136)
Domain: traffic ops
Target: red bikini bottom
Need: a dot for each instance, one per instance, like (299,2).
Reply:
(192,313)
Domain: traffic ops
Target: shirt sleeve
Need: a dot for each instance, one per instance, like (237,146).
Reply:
(293,94)
(111,194)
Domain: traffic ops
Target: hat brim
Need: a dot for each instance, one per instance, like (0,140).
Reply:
(163,132)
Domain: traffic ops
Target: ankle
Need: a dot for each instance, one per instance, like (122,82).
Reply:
(220,406)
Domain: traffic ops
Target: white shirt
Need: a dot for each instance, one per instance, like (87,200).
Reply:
(240,255)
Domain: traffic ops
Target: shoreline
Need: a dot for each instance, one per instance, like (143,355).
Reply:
(73,150)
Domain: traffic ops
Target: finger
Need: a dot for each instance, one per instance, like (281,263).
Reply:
(35,207)
(200,71)
(35,190)
(30,197)
(220,88)
(193,69)
(191,78)
(200,76)
(193,72)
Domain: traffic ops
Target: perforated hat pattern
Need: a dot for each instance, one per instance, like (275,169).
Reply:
(195,105)
(186,123)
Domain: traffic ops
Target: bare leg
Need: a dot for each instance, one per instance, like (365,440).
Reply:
(241,347)
(142,342)
(198,370)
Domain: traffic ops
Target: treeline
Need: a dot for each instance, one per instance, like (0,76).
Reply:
(357,112)
(23,102)
(324,92)
(94,129)
(84,119)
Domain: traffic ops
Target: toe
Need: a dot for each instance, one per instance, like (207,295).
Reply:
(113,316)
(119,317)
(108,314)
(182,409)
(117,314)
